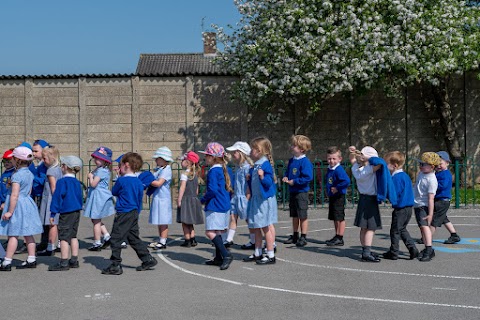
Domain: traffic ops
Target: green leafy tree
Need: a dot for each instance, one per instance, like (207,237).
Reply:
(291,49)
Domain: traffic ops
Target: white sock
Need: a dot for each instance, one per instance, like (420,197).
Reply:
(258,252)
(224,236)
(97,243)
(274,244)
(31,259)
(50,247)
(270,254)
(106,237)
(124,243)
(231,234)
(6,262)
(163,241)
(252,237)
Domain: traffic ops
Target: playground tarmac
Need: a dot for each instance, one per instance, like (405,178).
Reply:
(313,282)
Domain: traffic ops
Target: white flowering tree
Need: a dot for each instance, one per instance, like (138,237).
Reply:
(290,49)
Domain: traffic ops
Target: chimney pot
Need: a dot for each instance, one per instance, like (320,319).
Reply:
(209,44)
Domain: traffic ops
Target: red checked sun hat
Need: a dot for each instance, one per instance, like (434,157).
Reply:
(191,156)
(23,153)
(8,154)
(103,153)
(214,149)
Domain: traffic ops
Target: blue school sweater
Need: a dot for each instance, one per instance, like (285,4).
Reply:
(301,172)
(444,179)
(39,176)
(337,178)
(217,198)
(129,192)
(385,187)
(4,179)
(268,185)
(67,196)
(403,189)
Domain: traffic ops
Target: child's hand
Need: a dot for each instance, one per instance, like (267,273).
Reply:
(352,149)
(333,190)
(289,182)
(52,220)
(7,216)
(429,219)
(248,177)
(2,206)
(179,204)
(90,175)
(261,173)
(285,179)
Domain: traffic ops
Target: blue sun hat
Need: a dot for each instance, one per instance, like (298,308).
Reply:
(103,153)
(444,156)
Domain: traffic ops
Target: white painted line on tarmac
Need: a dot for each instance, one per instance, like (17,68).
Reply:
(448,289)
(251,269)
(161,256)
(381,272)
(366,298)
(329,229)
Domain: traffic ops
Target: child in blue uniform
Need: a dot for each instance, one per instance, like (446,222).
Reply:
(262,207)
(217,203)
(241,155)
(129,192)
(402,210)
(442,199)
(161,206)
(20,213)
(337,182)
(66,203)
(299,176)
(99,203)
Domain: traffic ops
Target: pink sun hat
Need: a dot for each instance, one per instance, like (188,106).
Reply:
(214,149)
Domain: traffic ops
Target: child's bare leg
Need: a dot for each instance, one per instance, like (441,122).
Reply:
(11,247)
(449,226)
(295,224)
(31,247)
(53,235)
(74,246)
(65,250)
(269,237)
(97,229)
(104,229)
(304,225)
(163,231)
(426,235)
(340,227)
(186,231)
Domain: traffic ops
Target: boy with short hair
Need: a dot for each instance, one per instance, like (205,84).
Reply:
(337,182)
(129,192)
(402,210)
(442,199)
(299,175)
(425,190)
(67,201)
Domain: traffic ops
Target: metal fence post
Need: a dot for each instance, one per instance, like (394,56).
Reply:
(457,184)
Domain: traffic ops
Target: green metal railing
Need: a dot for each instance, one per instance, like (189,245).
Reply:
(466,190)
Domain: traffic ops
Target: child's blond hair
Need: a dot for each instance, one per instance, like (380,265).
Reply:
(264,146)
(303,142)
(52,154)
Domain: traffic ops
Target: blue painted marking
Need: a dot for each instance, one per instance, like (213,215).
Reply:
(465,241)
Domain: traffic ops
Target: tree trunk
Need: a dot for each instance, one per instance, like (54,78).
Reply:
(447,122)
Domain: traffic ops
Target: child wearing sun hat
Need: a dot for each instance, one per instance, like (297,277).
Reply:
(161,206)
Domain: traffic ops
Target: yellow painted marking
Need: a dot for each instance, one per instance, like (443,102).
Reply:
(473,241)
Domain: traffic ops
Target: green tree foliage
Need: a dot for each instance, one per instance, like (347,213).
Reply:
(287,49)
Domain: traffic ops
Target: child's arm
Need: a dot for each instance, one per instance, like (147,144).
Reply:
(431,199)
(158,183)
(57,201)
(53,183)
(93,180)
(183,185)
(164,175)
(13,201)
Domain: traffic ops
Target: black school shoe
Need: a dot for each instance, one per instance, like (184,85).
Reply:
(266,260)
(228,244)
(95,248)
(452,240)
(291,240)
(390,255)
(427,256)
(105,244)
(226,262)
(302,242)
(248,246)
(113,270)
(252,258)
(59,267)
(186,244)
(148,265)
(28,265)
(370,258)
(214,262)
(413,253)
(335,242)
(73,265)
(8,267)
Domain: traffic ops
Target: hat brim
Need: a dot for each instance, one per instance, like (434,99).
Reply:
(166,158)
(102,157)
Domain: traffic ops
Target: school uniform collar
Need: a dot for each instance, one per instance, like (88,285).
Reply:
(299,157)
(70,175)
(130,175)
(334,167)
(261,160)
(217,165)
(397,171)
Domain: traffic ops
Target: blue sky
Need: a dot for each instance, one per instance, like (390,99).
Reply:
(101,36)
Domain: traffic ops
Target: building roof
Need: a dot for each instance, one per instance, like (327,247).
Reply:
(177,65)
(65,76)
